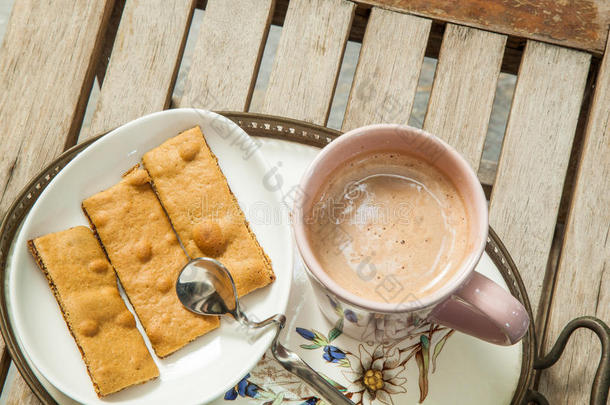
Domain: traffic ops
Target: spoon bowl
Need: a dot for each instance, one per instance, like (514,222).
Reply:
(206,287)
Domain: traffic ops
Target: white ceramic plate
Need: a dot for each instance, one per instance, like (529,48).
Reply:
(202,370)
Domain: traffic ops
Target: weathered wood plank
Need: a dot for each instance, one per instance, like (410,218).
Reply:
(20,394)
(47,64)
(582,285)
(464,87)
(227,54)
(388,69)
(144,62)
(535,154)
(581,24)
(568,186)
(309,54)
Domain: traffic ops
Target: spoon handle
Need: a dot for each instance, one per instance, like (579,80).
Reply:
(293,363)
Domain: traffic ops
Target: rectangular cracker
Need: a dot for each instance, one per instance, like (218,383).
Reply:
(145,253)
(204,211)
(86,290)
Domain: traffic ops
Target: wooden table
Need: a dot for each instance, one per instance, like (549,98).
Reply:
(549,191)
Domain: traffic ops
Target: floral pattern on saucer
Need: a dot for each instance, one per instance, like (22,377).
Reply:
(374,374)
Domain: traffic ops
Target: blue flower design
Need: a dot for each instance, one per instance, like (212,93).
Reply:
(231,395)
(310,401)
(351,316)
(333,354)
(244,388)
(241,386)
(306,333)
(252,390)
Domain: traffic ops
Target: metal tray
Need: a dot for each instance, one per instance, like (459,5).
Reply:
(313,135)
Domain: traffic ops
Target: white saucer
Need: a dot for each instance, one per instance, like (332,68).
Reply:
(468,371)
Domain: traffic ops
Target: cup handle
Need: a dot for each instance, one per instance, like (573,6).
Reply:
(483,309)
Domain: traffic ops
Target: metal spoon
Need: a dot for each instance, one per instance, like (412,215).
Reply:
(206,287)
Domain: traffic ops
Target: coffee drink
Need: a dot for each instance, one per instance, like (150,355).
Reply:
(391,222)
(389,227)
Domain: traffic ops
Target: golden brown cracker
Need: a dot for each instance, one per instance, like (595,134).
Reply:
(86,290)
(204,211)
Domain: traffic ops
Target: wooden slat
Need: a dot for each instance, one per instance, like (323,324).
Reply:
(47,61)
(388,69)
(535,153)
(144,62)
(227,54)
(309,54)
(464,87)
(19,393)
(47,64)
(582,285)
(581,24)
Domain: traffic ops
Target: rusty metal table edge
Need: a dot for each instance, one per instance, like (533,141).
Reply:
(309,134)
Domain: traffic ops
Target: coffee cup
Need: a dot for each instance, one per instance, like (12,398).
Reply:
(452,294)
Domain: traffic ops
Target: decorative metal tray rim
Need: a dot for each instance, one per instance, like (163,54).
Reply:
(310,134)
